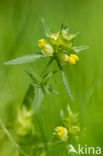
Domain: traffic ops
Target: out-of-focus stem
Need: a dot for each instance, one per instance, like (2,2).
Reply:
(11,138)
(8,134)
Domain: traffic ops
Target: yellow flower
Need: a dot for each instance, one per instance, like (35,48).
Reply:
(73,59)
(63,58)
(62,133)
(41,43)
(46,47)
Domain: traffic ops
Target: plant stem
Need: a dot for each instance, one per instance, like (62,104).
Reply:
(37,117)
(42,132)
(46,67)
(59,65)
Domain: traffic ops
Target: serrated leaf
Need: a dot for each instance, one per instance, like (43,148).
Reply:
(79,49)
(46,28)
(66,84)
(65,81)
(39,96)
(24,59)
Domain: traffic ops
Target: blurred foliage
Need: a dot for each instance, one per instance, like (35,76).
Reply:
(20,29)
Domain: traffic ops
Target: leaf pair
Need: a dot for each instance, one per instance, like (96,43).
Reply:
(33,97)
(35,93)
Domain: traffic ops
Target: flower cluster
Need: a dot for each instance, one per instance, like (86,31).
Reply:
(24,121)
(70,126)
(60,45)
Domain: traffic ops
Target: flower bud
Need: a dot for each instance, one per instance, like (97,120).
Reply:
(74,130)
(63,58)
(73,59)
(46,47)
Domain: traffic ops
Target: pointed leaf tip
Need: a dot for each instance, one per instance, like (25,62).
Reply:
(46,28)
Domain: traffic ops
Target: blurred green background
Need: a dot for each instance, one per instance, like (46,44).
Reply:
(20,29)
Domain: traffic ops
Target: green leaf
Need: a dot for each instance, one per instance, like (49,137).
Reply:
(34,76)
(72,36)
(25,59)
(52,90)
(65,81)
(29,96)
(65,30)
(39,96)
(47,76)
(46,90)
(33,97)
(46,28)
(66,84)
(79,49)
